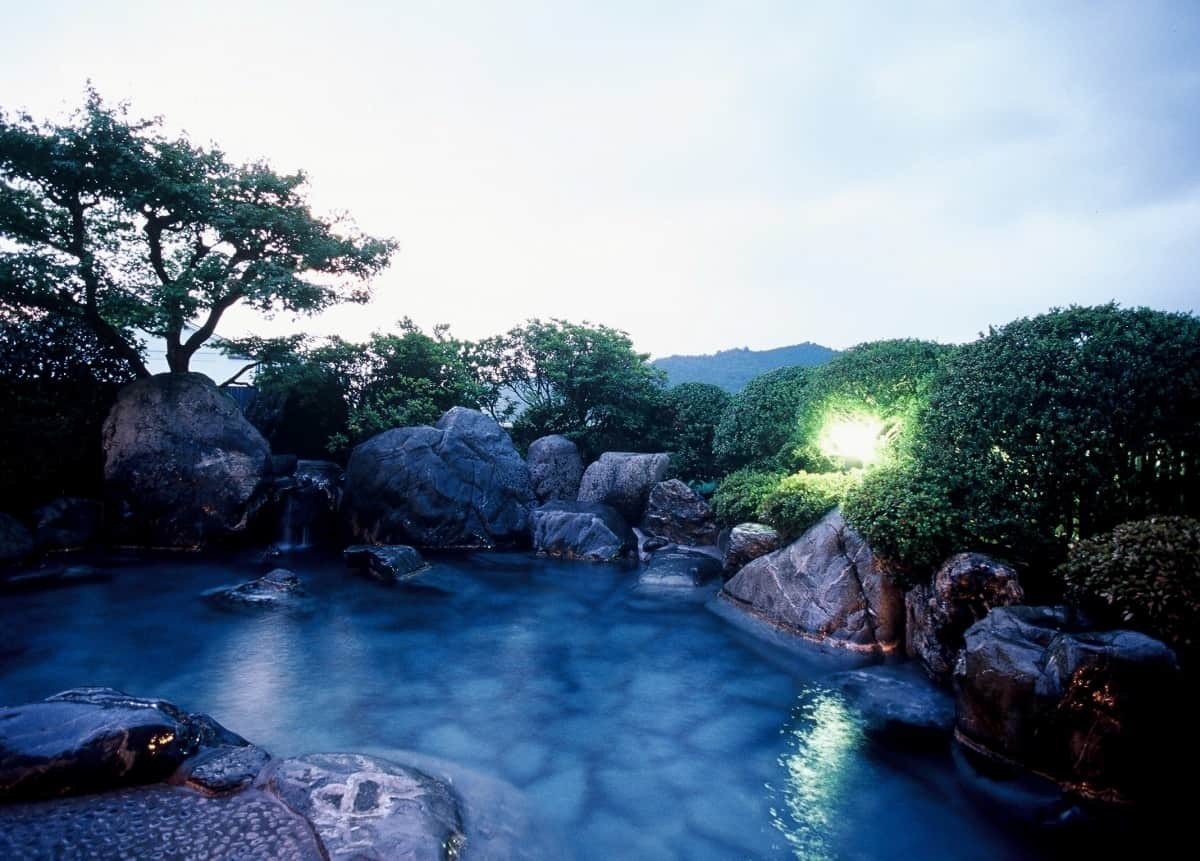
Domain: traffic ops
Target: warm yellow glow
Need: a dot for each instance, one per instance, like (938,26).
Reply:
(856,439)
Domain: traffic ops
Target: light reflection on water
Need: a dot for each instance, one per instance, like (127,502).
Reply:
(821,741)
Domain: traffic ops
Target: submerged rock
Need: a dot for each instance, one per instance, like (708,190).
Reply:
(898,703)
(182,463)
(746,542)
(68,523)
(224,769)
(623,480)
(581,530)
(961,593)
(555,468)
(369,808)
(16,542)
(384,561)
(1095,710)
(677,513)
(52,576)
(458,484)
(825,586)
(93,739)
(679,567)
(278,588)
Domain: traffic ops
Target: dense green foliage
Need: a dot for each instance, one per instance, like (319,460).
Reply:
(1144,574)
(57,384)
(798,501)
(109,223)
(758,419)
(582,381)
(740,495)
(1049,429)
(882,381)
(692,411)
(733,369)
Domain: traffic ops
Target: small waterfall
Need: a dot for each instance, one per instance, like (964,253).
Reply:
(307,503)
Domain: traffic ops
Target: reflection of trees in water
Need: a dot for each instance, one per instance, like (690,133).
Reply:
(821,739)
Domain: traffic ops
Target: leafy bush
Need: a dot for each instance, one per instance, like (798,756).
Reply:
(906,516)
(798,501)
(740,495)
(758,419)
(693,410)
(883,380)
(1061,426)
(1145,574)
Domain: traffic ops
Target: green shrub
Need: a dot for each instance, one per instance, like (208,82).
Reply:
(740,494)
(693,410)
(906,517)
(1144,574)
(798,501)
(758,419)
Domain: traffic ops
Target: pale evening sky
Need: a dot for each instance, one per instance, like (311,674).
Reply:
(702,175)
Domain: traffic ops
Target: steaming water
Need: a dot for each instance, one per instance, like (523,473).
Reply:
(637,727)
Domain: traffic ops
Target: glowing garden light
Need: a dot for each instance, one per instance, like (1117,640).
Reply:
(856,439)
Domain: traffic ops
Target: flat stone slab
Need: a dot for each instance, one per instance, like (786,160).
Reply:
(368,808)
(384,561)
(157,821)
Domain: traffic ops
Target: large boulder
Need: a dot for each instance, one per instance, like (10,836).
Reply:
(368,808)
(94,739)
(68,523)
(623,480)
(677,513)
(1098,711)
(16,541)
(938,613)
(460,483)
(555,468)
(181,462)
(746,542)
(581,530)
(825,586)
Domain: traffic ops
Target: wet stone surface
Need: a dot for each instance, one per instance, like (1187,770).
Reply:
(156,822)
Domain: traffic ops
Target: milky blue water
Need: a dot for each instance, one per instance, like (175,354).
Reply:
(637,726)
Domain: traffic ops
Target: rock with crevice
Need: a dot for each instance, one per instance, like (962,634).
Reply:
(459,484)
(623,480)
(679,514)
(1098,711)
(368,808)
(826,586)
(586,531)
(555,468)
(962,591)
(182,465)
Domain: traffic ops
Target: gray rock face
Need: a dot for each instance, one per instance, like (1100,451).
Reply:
(384,561)
(581,530)
(961,593)
(677,513)
(623,480)
(747,542)
(16,542)
(1094,710)
(279,588)
(224,769)
(158,821)
(678,567)
(555,468)
(91,739)
(68,523)
(182,463)
(898,703)
(825,586)
(459,484)
(369,808)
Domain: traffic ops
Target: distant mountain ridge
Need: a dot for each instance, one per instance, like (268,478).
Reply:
(732,369)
